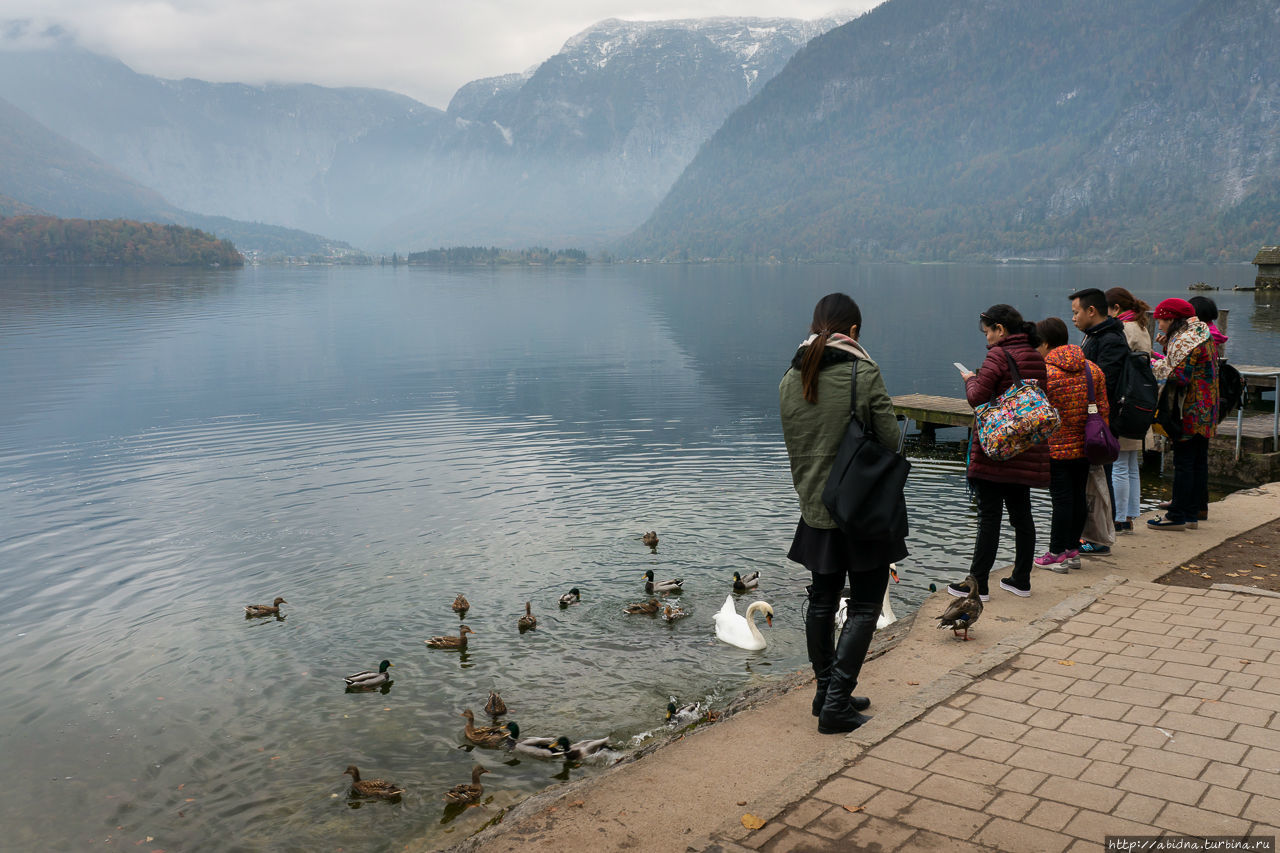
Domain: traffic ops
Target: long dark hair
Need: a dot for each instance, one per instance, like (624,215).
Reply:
(834,313)
(1008,316)
(1126,301)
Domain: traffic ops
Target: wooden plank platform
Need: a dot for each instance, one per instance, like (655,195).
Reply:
(1261,383)
(928,409)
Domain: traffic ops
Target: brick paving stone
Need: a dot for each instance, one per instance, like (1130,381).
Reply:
(1228,638)
(1111,676)
(1011,805)
(1142,716)
(1008,835)
(1102,645)
(1167,683)
(1235,713)
(1261,808)
(805,811)
(982,724)
(942,737)
(1256,653)
(1144,638)
(1082,794)
(1012,692)
(1026,661)
(1022,780)
(1094,707)
(792,840)
(1197,724)
(943,818)
(875,833)
(1055,681)
(1184,656)
(1048,719)
(1181,704)
(887,804)
(1166,787)
(1103,773)
(1226,775)
(930,842)
(1080,629)
(1256,735)
(887,774)
(1051,650)
(1110,752)
(961,792)
(1045,699)
(1183,632)
(843,791)
(1224,801)
(1138,807)
(1080,672)
(1166,606)
(1262,782)
(943,716)
(1190,820)
(992,749)
(1160,761)
(906,752)
(1086,724)
(1135,695)
(837,822)
(1031,758)
(1265,670)
(764,835)
(1250,700)
(964,767)
(1194,645)
(1094,826)
(1087,689)
(960,701)
(1260,758)
(1050,815)
(1211,692)
(1268,685)
(1195,673)
(1058,741)
(1238,680)
(1207,747)
(1132,663)
(1151,736)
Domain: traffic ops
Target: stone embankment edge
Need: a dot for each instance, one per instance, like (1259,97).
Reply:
(810,775)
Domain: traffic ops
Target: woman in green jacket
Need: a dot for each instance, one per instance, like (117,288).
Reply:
(814,397)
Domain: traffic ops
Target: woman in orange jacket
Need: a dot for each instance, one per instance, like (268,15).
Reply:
(1068,390)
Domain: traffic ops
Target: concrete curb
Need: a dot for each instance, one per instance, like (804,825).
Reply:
(813,774)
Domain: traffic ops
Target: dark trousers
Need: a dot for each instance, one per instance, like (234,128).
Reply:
(1190,478)
(866,595)
(993,499)
(1068,480)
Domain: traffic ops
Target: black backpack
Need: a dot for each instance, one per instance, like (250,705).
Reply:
(1230,390)
(1134,409)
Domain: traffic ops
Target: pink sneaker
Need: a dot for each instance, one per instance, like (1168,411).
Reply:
(1053,562)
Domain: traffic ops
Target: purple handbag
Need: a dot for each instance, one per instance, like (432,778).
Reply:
(1100,445)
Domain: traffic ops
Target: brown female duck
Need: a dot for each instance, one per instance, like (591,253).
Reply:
(371,787)
(449,641)
(528,621)
(484,735)
(272,609)
(465,795)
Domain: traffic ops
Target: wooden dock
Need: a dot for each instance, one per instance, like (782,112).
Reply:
(930,413)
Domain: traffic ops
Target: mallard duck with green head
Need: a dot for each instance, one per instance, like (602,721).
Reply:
(580,750)
(449,641)
(651,586)
(368,678)
(742,583)
(570,597)
(464,794)
(371,787)
(273,609)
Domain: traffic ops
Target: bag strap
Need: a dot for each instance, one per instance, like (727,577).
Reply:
(853,399)
(1013,367)
(1088,376)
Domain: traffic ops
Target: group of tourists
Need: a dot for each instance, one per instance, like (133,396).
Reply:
(1102,377)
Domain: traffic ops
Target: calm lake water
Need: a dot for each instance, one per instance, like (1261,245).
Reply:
(368,443)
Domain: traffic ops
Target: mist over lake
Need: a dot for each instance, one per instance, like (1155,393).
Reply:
(370,442)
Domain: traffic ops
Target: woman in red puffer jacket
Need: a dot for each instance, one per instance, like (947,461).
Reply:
(996,485)
(1068,391)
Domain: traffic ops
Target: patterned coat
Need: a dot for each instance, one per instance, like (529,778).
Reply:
(1068,391)
(1031,467)
(1197,375)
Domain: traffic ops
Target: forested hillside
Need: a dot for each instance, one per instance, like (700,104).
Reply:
(49,241)
(956,129)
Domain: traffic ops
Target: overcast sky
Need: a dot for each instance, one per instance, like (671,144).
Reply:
(422,48)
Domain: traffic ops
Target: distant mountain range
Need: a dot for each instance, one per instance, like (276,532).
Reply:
(576,151)
(948,129)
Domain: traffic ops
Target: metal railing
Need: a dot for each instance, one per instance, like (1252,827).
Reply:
(1275,416)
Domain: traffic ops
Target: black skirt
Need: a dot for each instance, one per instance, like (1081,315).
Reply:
(826,551)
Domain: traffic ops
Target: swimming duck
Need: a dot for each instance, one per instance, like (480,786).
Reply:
(650,539)
(650,586)
(460,604)
(528,621)
(449,641)
(536,747)
(466,794)
(650,607)
(963,612)
(272,609)
(671,614)
(674,713)
(741,631)
(742,584)
(485,735)
(495,707)
(570,597)
(580,750)
(367,678)
(371,787)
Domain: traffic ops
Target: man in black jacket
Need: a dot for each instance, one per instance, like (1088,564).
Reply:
(1106,346)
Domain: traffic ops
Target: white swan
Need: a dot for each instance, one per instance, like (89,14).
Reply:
(741,631)
(885,618)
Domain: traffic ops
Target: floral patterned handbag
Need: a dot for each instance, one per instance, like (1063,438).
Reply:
(1017,419)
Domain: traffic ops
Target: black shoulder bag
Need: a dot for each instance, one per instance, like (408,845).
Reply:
(864,491)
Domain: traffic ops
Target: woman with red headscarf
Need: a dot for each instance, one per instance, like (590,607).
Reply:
(1190,367)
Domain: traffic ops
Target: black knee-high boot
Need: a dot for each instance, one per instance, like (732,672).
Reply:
(820,637)
(839,711)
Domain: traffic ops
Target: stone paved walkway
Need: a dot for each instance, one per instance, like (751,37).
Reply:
(1154,710)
